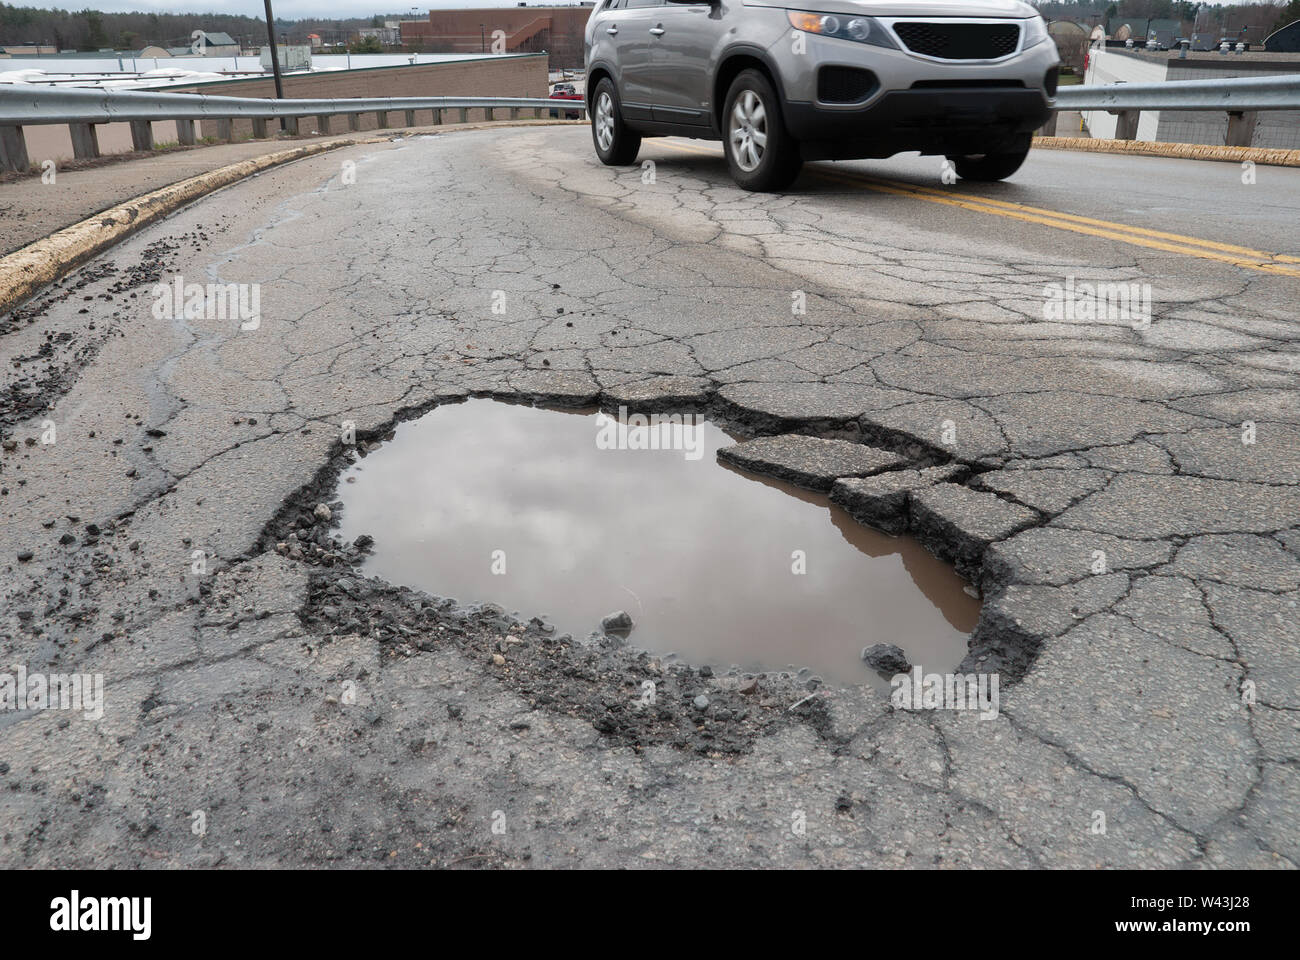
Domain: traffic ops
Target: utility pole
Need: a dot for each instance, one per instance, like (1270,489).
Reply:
(275,57)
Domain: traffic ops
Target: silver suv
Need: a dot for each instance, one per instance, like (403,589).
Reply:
(780,82)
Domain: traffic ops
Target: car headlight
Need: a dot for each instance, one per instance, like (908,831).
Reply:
(842,27)
(1035,32)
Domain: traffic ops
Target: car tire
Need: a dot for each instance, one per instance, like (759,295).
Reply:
(616,144)
(990,166)
(761,154)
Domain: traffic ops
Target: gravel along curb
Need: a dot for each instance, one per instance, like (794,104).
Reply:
(1180,151)
(28,269)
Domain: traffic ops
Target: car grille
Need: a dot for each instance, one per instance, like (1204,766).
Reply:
(959,41)
(844,84)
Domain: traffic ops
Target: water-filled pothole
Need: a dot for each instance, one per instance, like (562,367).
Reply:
(520,506)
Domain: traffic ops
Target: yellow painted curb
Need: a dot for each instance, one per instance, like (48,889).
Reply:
(29,268)
(1180,151)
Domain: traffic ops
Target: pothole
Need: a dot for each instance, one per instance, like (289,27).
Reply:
(525,507)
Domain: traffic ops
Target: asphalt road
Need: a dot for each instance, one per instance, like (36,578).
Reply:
(1140,579)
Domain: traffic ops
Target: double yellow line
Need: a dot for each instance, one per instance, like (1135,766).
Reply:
(1245,257)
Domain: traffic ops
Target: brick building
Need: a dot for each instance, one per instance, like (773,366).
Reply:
(526,29)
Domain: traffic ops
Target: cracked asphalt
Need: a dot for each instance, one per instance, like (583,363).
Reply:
(1126,497)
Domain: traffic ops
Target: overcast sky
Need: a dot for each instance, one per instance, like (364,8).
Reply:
(288,9)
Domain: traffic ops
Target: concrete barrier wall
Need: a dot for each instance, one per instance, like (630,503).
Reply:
(54,142)
(1104,68)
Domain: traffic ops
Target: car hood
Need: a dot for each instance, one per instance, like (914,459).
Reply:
(909,8)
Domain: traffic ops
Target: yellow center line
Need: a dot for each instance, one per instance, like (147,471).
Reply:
(1246,257)
(1056,214)
(1110,232)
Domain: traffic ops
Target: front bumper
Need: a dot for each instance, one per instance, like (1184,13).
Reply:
(913,103)
(931,120)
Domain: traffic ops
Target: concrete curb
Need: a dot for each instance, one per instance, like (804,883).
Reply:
(1180,151)
(29,268)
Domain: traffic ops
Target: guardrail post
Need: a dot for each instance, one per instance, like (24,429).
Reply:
(291,126)
(410,118)
(141,135)
(1126,126)
(323,123)
(514,113)
(537,113)
(1049,128)
(85,142)
(225,129)
(354,121)
(13,149)
(259,128)
(185,132)
(464,115)
(437,118)
(1241,128)
(382,117)
(489,114)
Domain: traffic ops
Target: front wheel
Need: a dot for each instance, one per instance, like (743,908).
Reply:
(616,144)
(990,166)
(760,151)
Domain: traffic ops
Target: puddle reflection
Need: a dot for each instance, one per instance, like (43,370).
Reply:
(489,501)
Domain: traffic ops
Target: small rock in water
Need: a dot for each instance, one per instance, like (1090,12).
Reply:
(886,658)
(618,621)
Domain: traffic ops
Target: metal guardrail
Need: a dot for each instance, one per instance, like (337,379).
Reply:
(1240,97)
(1281,92)
(83,108)
(29,104)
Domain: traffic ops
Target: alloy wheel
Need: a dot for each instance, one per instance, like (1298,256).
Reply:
(604,121)
(747,130)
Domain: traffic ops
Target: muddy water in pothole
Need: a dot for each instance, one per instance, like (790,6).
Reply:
(701,555)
